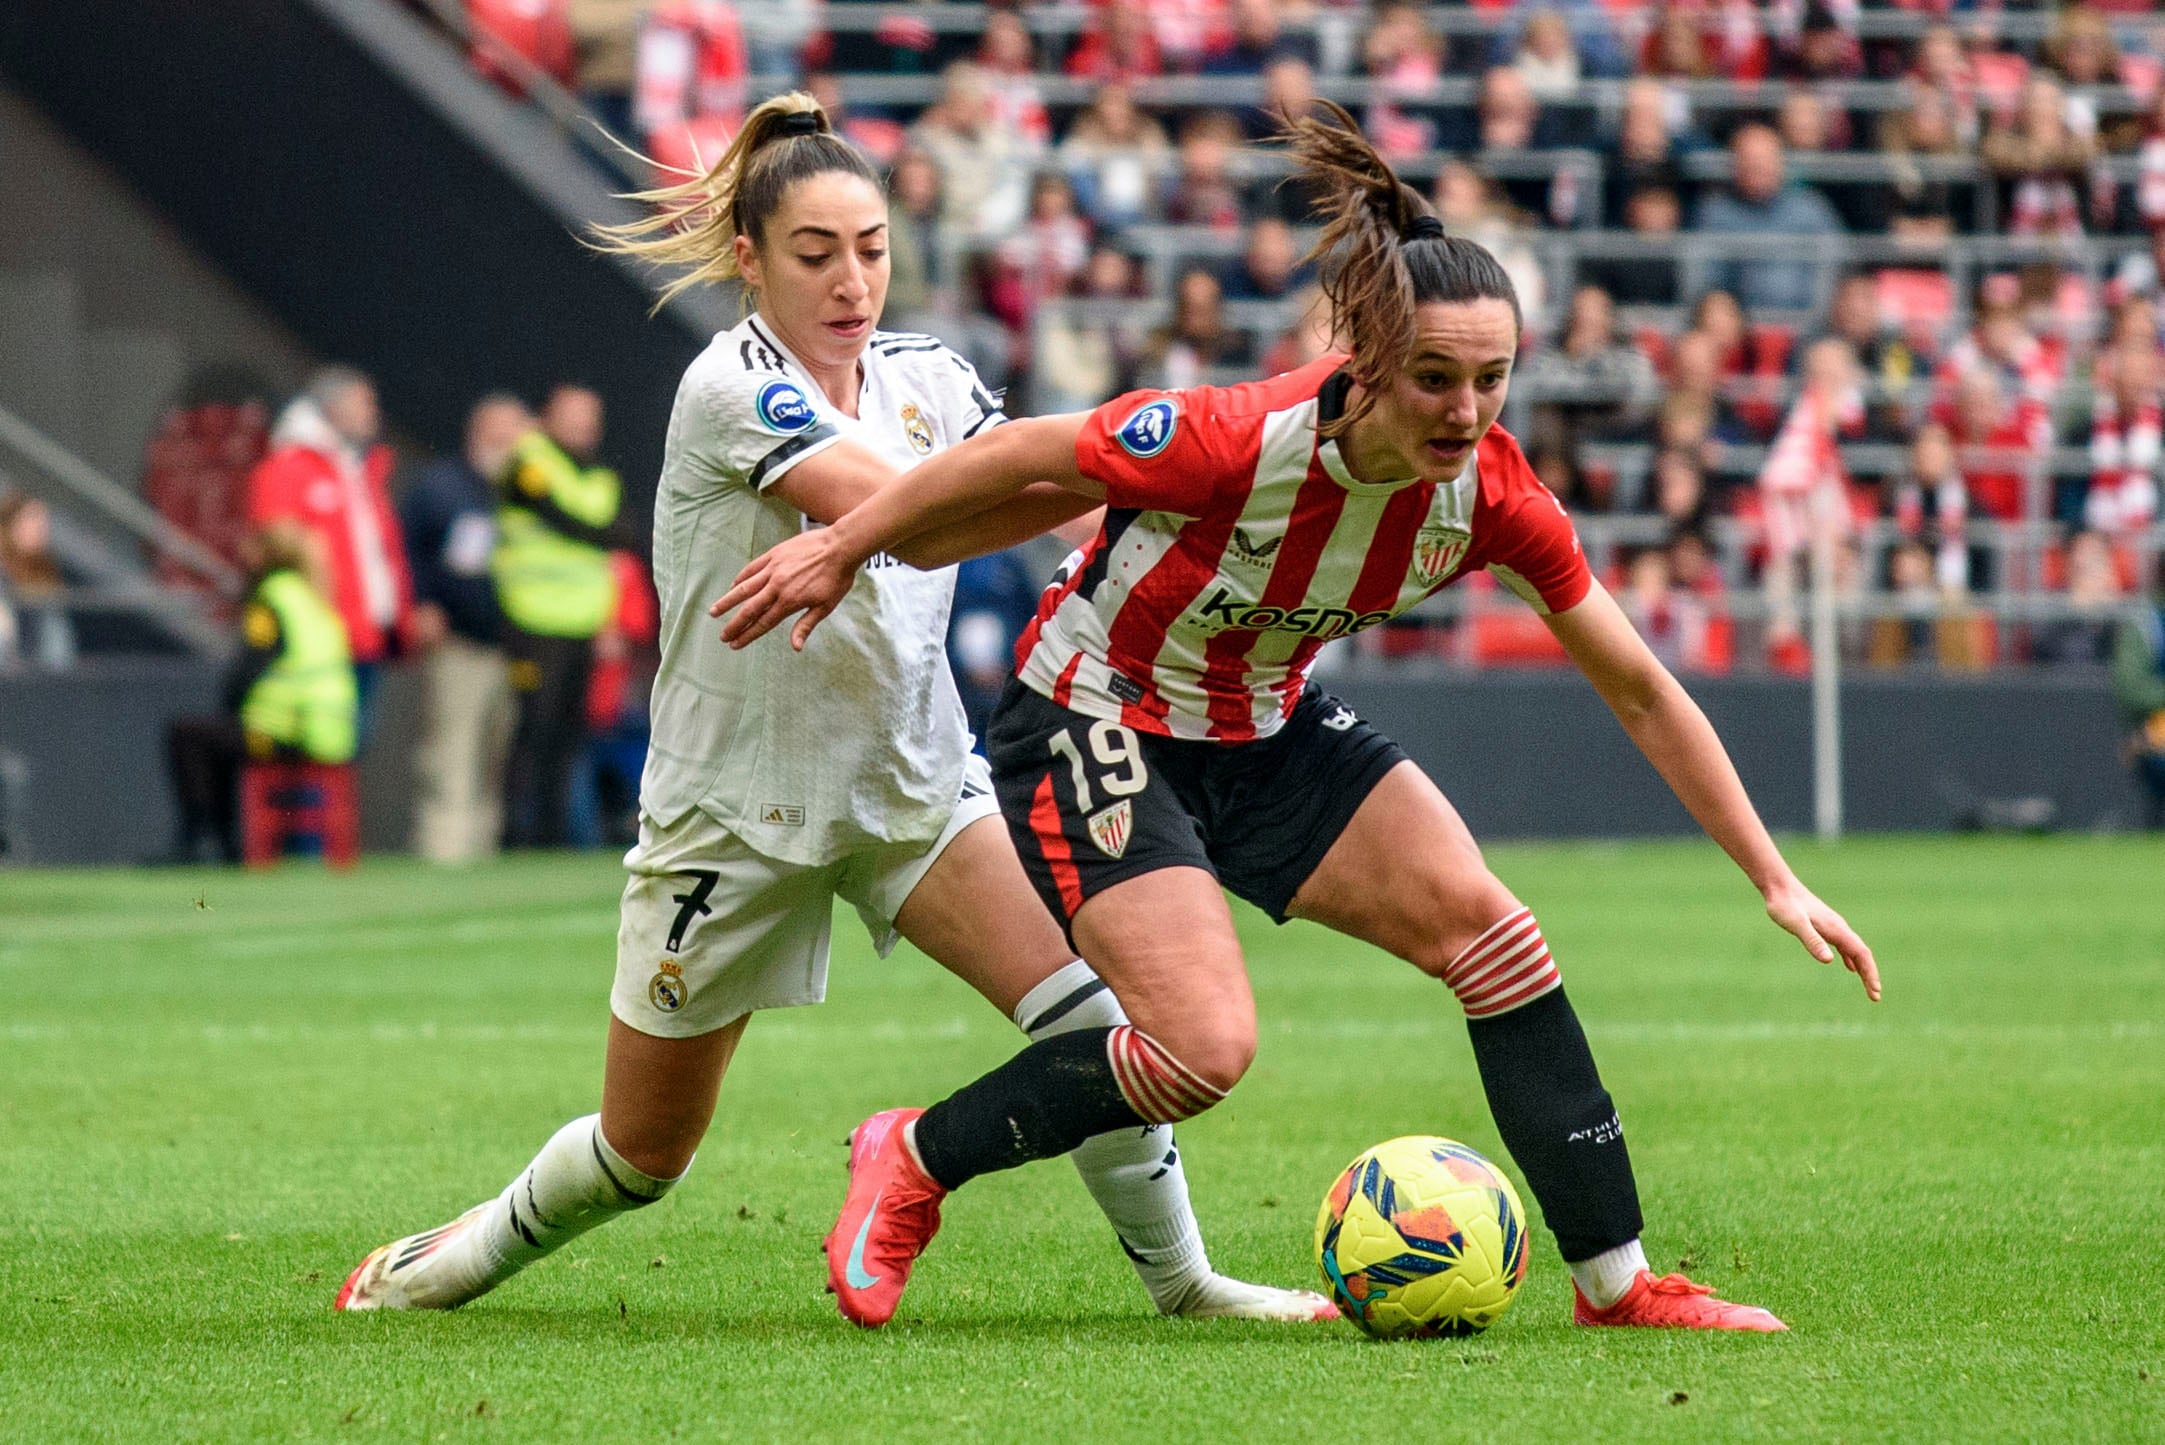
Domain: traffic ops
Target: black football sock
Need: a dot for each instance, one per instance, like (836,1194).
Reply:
(1559,1123)
(1038,1105)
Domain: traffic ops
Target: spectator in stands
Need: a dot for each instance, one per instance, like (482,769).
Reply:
(1888,363)
(2094,600)
(1602,385)
(1924,128)
(1269,267)
(1932,506)
(1645,151)
(448,511)
(1041,259)
(1944,68)
(1823,50)
(1289,88)
(289,695)
(1083,360)
(2126,417)
(1197,340)
(1760,201)
(1997,440)
(1676,49)
(689,88)
(557,587)
(984,167)
(1117,45)
(2042,163)
(2148,192)
(2138,278)
(1114,154)
(1679,490)
(1471,205)
(1202,192)
(1007,60)
(38,632)
(916,269)
(2138,686)
(995,598)
(1652,214)
(326,471)
(1404,59)
(1671,619)
(1805,463)
(1803,124)
(2081,52)
(1547,58)
(1508,116)
(2029,367)
(1910,632)
(1256,41)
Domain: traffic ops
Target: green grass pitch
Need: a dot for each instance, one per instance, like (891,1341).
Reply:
(217,1092)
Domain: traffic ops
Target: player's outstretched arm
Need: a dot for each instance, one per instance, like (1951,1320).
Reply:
(1669,728)
(813,571)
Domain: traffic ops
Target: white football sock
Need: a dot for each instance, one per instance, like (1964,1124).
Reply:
(1133,1174)
(575,1183)
(1606,1277)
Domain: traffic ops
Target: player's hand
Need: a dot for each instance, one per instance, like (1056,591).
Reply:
(806,573)
(1825,934)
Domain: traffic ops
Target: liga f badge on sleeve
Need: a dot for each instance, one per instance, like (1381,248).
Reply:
(1111,827)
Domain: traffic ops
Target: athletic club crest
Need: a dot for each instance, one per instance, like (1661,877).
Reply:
(667,990)
(1111,828)
(1437,551)
(915,428)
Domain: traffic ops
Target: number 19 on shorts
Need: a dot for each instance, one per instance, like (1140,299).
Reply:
(1120,773)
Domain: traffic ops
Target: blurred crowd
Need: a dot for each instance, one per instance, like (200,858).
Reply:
(1086,200)
(1880,278)
(504,574)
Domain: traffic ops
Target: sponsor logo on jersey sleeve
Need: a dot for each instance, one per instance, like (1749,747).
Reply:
(783,409)
(1148,429)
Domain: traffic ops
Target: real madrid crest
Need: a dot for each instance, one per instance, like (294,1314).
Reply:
(1437,551)
(667,990)
(916,429)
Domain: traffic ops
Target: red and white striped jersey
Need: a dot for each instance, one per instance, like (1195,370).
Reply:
(1236,544)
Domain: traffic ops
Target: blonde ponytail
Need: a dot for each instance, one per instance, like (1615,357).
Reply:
(696,221)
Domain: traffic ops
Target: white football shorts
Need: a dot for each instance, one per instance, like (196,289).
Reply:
(711,930)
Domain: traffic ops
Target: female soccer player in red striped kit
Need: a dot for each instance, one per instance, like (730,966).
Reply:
(1162,739)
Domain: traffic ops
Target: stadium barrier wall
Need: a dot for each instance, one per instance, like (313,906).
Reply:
(1522,754)
(1537,754)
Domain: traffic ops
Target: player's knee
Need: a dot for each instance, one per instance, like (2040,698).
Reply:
(1454,910)
(1164,1084)
(1500,966)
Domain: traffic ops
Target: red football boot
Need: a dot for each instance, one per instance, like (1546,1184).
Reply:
(890,1214)
(1672,1302)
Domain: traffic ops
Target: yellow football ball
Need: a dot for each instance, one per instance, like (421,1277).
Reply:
(1422,1236)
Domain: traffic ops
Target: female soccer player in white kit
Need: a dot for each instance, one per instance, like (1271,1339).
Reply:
(776,782)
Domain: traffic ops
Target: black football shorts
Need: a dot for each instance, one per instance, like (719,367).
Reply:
(1091,803)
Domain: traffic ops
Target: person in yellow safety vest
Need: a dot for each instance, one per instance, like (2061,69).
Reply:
(302,701)
(289,694)
(557,588)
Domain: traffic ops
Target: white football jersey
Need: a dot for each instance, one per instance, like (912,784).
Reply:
(860,738)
